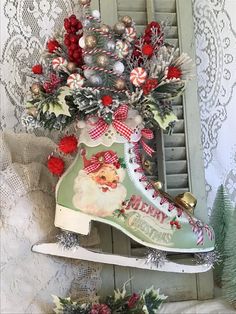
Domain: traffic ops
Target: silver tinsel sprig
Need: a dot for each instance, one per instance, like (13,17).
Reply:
(210,258)
(68,240)
(156,257)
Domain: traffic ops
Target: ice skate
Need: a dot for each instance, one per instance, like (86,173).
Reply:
(108,185)
(116,95)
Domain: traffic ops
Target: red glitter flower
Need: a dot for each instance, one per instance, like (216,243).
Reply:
(173,72)
(147,50)
(106,100)
(100,309)
(37,69)
(149,85)
(52,45)
(133,300)
(68,144)
(55,165)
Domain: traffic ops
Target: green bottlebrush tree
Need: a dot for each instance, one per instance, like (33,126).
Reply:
(229,271)
(220,217)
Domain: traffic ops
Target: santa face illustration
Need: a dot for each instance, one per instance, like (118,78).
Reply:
(98,187)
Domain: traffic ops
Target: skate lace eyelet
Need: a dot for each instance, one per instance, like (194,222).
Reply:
(146,188)
(170,211)
(131,161)
(140,180)
(153,196)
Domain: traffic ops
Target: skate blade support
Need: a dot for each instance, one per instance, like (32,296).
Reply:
(81,253)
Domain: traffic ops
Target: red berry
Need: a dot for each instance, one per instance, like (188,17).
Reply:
(73,38)
(147,39)
(67,42)
(52,45)
(71,53)
(74,22)
(107,100)
(72,17)
(37,69)
(76,54)
(73,29)
(67,23)
(68,144)
(79,25)
(55,165)
(73,46)
(172,223)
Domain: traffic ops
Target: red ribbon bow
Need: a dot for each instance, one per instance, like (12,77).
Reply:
(119,116)
(148,135)
(98,160)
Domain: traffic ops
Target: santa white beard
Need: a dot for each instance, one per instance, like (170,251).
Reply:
(91,200)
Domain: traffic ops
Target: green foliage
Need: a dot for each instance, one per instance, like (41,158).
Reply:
(220,217)
(229,271)
(149,301)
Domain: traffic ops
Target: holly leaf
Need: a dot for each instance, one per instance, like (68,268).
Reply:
(59,106)
(163,122)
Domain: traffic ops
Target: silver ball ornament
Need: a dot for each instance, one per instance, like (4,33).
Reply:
(102,60)
(127,20)
(86,23)
(90,41)
(71,66)
(119,84)
(82,42)
(84,2)
(95,79)
(96,14)
(110,45)
(36,88)
(88,59)
(88,73)
(118,67)
(105,28)
(119,28)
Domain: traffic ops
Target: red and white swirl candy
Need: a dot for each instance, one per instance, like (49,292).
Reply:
(75,81)
(122,49)
(130,34)
(138,76)
(59,63)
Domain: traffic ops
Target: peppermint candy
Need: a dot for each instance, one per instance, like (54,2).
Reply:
(59,63)
(75,81)
(138,76)
(122,49)
(130,34)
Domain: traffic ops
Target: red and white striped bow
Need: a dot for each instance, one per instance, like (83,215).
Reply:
(96,161)
(198,228)
(148,135)
(119,116)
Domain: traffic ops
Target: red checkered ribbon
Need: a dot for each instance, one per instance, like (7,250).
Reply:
(119,116)
(198,228)
(100,159)
(147,134)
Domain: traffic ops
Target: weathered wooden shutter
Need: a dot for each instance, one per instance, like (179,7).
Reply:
(180,163)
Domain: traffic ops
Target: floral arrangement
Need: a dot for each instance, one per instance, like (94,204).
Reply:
(93,70)
(148,302)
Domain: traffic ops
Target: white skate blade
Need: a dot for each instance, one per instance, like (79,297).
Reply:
(83,254)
